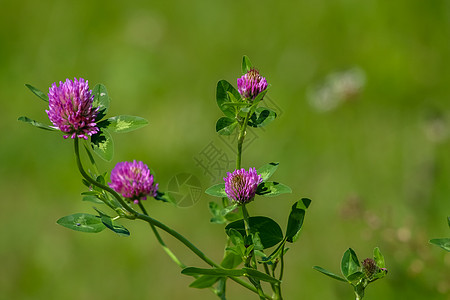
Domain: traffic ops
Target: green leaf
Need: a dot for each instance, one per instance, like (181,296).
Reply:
(448,221)
(269,231)
(82,222)
(295,223)
(230,273)
(262,117)
(37,124)
(110,224)
(92,199)
(379,258)
(226,126)
(215,211)
(165,197)
(246,64)
(272,258)
(37,92)
(349,263)
(217,190)
(226,210)
(272,188)
(204,281)
(304,203)
(267,170)
(355,277)
(223,87)
(257,100)
(101,98)
(257,241)
(91,193)
(231,260)
(259,275)
(328,273)
(443,243)
(103,145)
(123,123)
(236,237)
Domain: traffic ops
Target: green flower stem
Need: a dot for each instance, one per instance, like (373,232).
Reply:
(278,285)
(161,242)
(251,256)
(154,222)
(266,269)
(102,186)
(194,249)
(167,249)
(241,137)
(247,233)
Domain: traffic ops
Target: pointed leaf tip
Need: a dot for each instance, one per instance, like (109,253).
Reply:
(37,92)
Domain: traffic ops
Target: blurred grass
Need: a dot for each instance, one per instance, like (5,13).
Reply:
(376,178)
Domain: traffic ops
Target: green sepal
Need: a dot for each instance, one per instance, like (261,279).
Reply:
(103,145)
(349,263)
(246,64)
(226,126)
(37,124)
(223,87)
(272,188)
(217,190)
(267,170)
(82,222)
(444,243)
(295,220)
(262,117)
(269,231)
(123,123)
(37,92)
(328,273)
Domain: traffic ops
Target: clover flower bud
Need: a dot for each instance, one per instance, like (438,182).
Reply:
(70,108)
(133,181)
(370,267)
(251,84)
(241,185)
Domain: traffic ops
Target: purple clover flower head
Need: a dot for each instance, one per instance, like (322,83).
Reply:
(133,181)
(70,108)
(241,185)
(251,84)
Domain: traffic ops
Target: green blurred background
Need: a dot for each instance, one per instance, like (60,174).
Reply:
(377,168)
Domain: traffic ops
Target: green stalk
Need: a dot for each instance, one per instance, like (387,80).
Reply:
(102,186)
(155,222)
(161,242)
(241,138)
